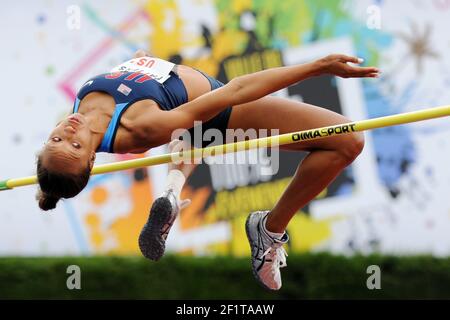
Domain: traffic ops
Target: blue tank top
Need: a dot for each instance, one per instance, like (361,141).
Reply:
(127,88)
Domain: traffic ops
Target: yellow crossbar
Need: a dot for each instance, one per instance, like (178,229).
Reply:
(272,141)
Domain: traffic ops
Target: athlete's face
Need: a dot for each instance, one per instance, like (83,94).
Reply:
(69,146)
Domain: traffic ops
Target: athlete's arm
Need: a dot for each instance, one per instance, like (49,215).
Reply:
(251,87)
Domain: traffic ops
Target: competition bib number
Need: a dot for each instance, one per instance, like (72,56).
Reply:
(155,68)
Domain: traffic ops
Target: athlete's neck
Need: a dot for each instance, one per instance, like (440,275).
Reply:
(98,124)
(97,108)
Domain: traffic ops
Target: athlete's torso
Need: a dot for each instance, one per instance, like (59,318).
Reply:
(128,94)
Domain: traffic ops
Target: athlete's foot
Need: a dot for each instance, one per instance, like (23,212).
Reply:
(268,254)
(152,240)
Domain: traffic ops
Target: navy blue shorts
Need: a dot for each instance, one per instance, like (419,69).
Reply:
(219,122)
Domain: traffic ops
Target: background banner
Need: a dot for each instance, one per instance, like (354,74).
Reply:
(393,199)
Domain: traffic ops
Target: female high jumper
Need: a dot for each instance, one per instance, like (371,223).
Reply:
(139,104)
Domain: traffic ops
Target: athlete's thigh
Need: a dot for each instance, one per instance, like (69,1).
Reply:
(288,116)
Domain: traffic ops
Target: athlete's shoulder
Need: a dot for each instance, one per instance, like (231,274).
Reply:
(93,80)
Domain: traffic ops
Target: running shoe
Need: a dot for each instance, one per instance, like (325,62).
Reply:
(268,254)
(152,240)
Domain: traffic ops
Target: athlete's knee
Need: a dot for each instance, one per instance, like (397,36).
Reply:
(351,147)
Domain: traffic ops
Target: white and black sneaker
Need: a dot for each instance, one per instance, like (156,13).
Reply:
(152,240)
(268,254)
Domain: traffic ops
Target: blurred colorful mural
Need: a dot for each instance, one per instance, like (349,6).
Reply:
(394,199)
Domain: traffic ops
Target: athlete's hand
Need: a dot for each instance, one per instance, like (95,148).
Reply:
(338,65)
(186,168)
(141,53)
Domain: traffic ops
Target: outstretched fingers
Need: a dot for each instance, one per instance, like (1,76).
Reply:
(344,58)
(360,72)
(141,54)
(348,67)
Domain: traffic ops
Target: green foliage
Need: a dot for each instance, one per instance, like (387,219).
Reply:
(309,276)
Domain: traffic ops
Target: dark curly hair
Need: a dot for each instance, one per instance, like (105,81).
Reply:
(54,186)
